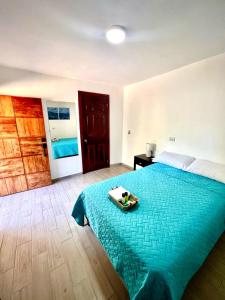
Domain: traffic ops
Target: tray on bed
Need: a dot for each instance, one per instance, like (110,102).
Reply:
(133,201)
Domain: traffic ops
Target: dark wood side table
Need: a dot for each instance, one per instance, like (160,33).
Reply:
(142,160)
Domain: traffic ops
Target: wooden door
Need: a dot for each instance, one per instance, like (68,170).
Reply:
(12,176)
(94,129)
(33,145)
(23,149)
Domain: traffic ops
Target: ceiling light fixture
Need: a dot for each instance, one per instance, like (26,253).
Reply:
(116,34)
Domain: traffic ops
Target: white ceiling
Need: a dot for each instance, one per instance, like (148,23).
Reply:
(66,37)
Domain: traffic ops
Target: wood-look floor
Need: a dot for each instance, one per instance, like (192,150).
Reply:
(45,255)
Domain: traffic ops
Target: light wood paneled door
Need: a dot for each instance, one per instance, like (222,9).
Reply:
(23,149)
(31,132)
(12,177)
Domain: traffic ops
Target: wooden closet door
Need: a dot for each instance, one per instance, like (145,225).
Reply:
(12,177)
(33,146)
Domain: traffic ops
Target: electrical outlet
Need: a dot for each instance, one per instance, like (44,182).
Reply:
(172,139)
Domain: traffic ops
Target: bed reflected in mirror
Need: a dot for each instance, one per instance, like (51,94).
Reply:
(63,129)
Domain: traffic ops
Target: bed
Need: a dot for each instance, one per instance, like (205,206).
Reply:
(64,147)
(157,246)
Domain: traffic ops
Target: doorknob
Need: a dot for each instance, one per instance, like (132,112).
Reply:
(44,146)
(85,141)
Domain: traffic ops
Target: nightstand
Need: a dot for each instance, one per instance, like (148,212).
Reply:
(142,160)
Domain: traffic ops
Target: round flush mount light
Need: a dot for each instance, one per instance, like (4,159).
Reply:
(116,34)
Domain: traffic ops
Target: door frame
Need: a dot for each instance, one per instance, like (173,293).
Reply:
(81,120)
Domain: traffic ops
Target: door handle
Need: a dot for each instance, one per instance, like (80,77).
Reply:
(85,141)
(44,146)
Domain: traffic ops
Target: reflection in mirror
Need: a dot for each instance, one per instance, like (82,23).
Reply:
(63,128)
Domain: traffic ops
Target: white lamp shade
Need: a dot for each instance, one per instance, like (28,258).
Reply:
(149,149)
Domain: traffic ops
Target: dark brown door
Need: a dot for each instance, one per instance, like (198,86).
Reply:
(94,129)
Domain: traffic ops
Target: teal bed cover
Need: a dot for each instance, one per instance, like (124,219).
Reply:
(64,147)
(157,246)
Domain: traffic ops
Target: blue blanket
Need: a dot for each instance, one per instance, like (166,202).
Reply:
(64,147)
(157,246)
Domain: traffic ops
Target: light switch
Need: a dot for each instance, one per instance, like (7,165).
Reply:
(129,132)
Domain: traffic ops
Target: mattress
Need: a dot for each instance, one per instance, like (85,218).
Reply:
(157,246)
(64,147)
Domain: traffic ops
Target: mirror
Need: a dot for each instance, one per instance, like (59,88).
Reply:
(63,128)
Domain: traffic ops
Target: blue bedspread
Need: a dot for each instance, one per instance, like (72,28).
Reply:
(157,246)
(64,147)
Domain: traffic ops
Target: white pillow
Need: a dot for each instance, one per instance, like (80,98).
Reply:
(208,169)
(179,161)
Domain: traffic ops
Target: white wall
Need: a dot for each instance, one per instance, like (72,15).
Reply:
(63,128)
(24,83)
(188,103)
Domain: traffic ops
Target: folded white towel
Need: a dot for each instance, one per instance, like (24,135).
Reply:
(117,193)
